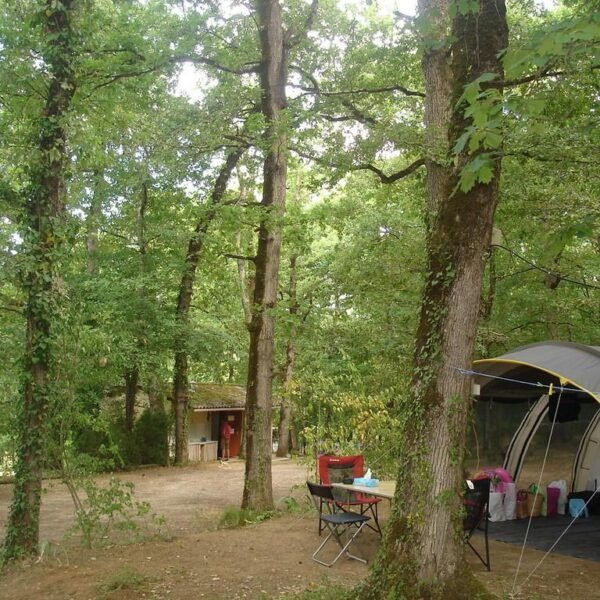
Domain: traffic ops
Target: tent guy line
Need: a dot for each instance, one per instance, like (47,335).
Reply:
(542,469)
(551,387)
(539,483)
(549,551)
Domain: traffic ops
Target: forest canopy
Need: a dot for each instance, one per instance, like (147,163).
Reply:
(278,195)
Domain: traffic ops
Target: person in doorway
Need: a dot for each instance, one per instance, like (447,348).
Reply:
(226,433)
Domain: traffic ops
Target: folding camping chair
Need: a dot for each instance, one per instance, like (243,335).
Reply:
(476,501)
(339,522)
(334,469)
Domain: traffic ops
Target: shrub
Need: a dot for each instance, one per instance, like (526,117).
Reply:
(109,508)
(126,443)
(152,437)
(147,444)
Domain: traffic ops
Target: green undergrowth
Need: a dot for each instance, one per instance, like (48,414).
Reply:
(324,591)
(290,504)
(125,578)
(234,516)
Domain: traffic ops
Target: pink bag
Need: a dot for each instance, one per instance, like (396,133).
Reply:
(498,476)
(552,495)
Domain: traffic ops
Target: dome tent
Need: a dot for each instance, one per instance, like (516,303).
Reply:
(547,371)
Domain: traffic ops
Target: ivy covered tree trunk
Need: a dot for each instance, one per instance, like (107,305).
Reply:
(184,301)
(258,489)
(423,554)
(44,212)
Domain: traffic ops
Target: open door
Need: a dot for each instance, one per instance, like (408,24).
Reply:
(517,449)
(234,417)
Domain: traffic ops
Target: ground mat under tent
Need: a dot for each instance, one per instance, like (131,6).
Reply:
(582,540)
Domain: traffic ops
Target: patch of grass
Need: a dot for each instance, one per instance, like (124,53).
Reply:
(125,578)
(324,591)
(233,517)
(290,504)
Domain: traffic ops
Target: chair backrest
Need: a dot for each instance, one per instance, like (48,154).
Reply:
(475,501)
(334,469)
(482,485)
(319,494)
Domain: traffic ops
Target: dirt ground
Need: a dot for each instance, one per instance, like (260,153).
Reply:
(267,560)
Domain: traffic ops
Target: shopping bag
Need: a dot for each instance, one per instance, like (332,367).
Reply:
(496,507)
(552,496)
(522,504)
(561,484)
(510,501)
(536,500)
(578,509)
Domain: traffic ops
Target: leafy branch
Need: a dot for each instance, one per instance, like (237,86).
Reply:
(387,179)
(249,68)
(241,257)
(295,36)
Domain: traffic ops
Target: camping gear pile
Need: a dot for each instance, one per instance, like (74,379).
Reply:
(503,496)
(507,503)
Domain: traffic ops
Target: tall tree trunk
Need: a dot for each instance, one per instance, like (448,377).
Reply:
(132,378)
(275,47)
(285,411)
(246,285)
(258,488)
(423,554)
(184,301)
(284,431)
(132,374)
(44,214)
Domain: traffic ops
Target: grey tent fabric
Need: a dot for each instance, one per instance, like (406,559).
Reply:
(586,468)
(577,364)
(517,449)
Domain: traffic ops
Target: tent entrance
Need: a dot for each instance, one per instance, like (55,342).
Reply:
(532,379)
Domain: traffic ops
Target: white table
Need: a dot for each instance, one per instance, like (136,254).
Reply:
(385,489)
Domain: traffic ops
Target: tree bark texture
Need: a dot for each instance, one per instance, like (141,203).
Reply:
(184,301)
(423,553)
(285,411)
(44,212)
(258,489)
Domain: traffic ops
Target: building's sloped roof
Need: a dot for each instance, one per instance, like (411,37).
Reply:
(216,396)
